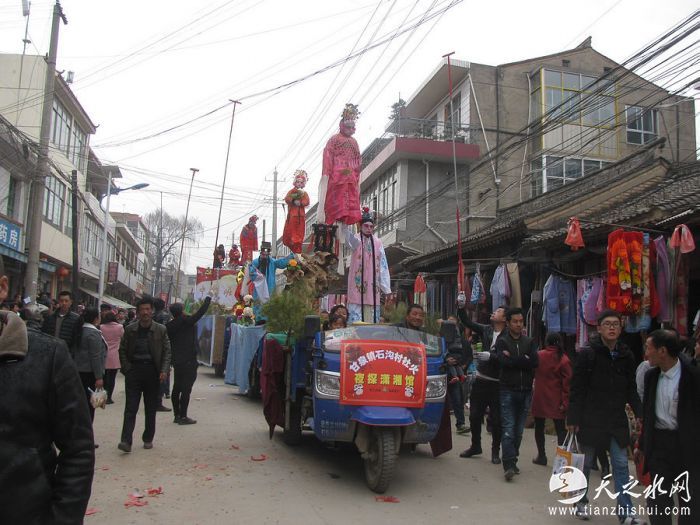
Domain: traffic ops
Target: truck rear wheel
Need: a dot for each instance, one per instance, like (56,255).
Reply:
(380,460)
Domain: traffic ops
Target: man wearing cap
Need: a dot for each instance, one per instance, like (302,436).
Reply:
(369,272)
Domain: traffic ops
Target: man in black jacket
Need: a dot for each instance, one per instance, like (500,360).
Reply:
(517,355)
(64,323)
(47,452)
(671,431)
(182,334)
(144,355)
(603,383)
(485,390)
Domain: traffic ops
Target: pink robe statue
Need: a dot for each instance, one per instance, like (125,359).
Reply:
(340,177)
(249,240)
(368,276)
(297,200)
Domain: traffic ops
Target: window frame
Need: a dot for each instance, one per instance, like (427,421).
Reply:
(643,133)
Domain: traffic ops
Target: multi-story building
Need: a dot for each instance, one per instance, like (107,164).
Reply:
(21,103)
(522,129)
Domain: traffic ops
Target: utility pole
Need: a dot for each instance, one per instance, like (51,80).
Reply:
(75,290)
(31,279)
(184,232)
(105,235)
(263,236)
(159,266)
(274,214)
(223,184)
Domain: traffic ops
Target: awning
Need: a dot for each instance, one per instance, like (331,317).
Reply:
(19,256)
(107,299)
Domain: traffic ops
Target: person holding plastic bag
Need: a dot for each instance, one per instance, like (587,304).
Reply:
(550,399)
(90,356)
(603,383)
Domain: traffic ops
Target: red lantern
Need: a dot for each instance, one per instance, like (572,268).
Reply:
(62,272)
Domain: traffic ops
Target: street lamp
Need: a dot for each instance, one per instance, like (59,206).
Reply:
(103,257)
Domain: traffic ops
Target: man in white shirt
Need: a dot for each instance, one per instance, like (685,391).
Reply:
(671,429)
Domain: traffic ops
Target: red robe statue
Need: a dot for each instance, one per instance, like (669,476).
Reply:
(297,200)
(249,239)
(339,191)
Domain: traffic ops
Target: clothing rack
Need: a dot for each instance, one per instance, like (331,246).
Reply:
(570,276)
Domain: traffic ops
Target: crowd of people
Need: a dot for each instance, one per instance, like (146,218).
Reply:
(52,364)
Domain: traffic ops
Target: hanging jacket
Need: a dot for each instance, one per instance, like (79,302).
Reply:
(663,280)
(559,312)
(498,288)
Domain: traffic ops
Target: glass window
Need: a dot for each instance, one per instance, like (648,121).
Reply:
(552,100)
(552,78)
(536,177)
(54,197)
(589,166)
(572,169)
(641,124)
(587,81)
(12,190)
(572,81)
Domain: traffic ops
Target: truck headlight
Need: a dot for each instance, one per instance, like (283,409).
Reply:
(436,387)
(327,384)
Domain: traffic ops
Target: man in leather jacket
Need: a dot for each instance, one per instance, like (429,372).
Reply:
(47,451)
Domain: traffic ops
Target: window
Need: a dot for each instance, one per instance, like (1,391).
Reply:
(641,124)
(549,173)
(456,112)
(12,191)
(92,237)
(69,213)
(67,136)
(575,98)
(54,199)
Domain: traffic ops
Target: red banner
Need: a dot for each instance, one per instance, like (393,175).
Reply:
(212,274)
(382,373)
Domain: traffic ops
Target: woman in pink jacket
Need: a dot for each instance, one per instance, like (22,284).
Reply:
(551,396)
(112,332)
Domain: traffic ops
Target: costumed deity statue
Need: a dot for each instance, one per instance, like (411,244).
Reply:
(249,239)
(369,272)
(219,256)
(297,200)
(339,191)
(262,273)
(234,257)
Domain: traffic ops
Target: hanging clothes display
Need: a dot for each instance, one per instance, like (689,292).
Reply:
(516,299)
(419,292)
(642,321)
(499,287)
(624,263)
(478,294)
(680,306)
(663,281)
(559,301)
(590,292)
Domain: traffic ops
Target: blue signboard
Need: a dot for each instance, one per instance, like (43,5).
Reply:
(9,234)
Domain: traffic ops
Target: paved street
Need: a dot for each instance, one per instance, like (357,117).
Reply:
(207,480)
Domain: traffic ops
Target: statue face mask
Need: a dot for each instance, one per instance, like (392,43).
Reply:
(347,128)
(367,228)
(299,182)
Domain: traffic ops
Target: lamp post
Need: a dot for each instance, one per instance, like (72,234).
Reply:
(184,234)
(103,257)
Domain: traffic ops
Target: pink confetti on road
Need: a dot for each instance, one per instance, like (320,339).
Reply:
(261,457)
(154,492)
(91,511)
(135,502)
(201,466)
(235,447)
(387,499)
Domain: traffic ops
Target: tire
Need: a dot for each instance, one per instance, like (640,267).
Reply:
(292,435)
(380,462)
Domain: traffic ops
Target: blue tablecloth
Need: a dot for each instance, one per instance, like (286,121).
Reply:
(241,349)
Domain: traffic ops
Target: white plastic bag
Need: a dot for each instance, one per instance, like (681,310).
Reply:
(98,398)
(568,455)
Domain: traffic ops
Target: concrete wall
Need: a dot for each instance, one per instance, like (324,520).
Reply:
(676,123)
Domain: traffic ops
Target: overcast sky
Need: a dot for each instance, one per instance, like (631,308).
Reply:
(142,67)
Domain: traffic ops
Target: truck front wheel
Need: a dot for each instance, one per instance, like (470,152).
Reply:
(380,459)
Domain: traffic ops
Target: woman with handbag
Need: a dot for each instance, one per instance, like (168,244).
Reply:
(551,394)
(90,355)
